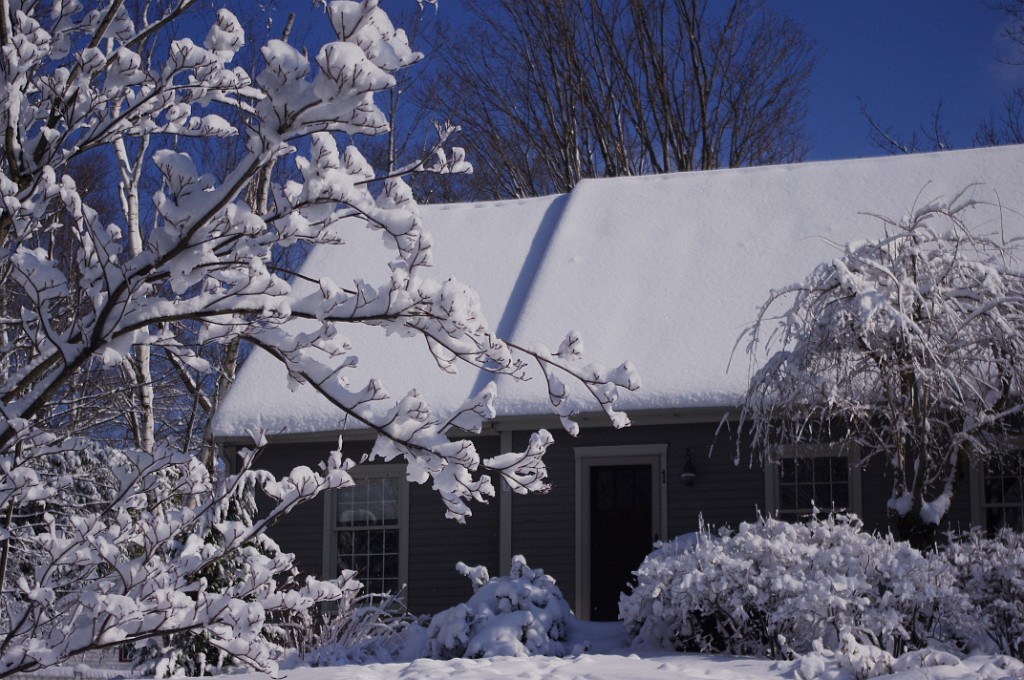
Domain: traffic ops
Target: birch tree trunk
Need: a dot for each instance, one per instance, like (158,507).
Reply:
(130,170)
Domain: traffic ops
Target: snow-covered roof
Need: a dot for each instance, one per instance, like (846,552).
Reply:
(663,270)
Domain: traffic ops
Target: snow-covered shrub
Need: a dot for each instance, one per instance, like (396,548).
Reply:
(194,653)
(773,589)
(991,573)
(367,629)
(520,614)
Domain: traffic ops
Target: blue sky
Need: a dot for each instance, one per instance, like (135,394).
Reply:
(901,58)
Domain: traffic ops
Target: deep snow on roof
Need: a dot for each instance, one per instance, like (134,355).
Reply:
(495,247)
(665,270)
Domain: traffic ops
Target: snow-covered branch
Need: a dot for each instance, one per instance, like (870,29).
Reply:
(124,563)
(100,545)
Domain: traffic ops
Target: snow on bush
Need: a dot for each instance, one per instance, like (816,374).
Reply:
(521,614)
(778,590)
(991,573)
(372,628)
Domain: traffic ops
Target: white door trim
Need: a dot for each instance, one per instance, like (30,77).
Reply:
(655,455)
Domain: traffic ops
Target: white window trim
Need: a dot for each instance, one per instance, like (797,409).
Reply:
(587,456)
(814,450)
(330,534)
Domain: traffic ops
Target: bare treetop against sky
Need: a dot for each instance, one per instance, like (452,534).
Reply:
(900,58)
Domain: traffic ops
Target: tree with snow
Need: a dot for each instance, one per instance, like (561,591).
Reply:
(127,565)
(910,346)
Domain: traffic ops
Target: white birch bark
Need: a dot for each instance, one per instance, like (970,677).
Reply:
(130,172)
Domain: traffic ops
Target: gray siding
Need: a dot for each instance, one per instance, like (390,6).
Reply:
(302,530)
(436,544)
(725,493)
(959,517)
(876,487)
(543,526)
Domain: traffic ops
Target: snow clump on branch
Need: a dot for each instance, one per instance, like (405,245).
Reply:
(86,294)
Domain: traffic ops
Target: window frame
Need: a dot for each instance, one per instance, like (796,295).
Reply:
(331,526)
(979,502)
(772,470)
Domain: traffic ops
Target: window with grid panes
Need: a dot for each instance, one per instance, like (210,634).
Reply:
(806,483)
(368,531)
(813,476)
(1003,500)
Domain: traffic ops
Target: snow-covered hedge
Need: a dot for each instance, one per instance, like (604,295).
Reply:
(777,589)
(991,572)
(521,614)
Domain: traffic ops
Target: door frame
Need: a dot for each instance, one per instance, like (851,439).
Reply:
(586,457)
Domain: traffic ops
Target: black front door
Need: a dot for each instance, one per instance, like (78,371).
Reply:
(620,532)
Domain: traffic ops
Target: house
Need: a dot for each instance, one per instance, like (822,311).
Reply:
(666,271)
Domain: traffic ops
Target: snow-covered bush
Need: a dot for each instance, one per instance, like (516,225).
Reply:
(991,573)
(854,661)
(370,628)
(130,567)
(774,589)
(521,614)
(194,653)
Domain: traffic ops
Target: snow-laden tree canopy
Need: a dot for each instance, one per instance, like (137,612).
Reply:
(80,291)
(909,345)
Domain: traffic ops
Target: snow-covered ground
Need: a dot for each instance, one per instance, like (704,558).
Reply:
(629,667)
(610,658)
(584,667)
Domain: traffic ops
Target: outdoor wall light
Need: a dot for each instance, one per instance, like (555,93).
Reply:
(689,475)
